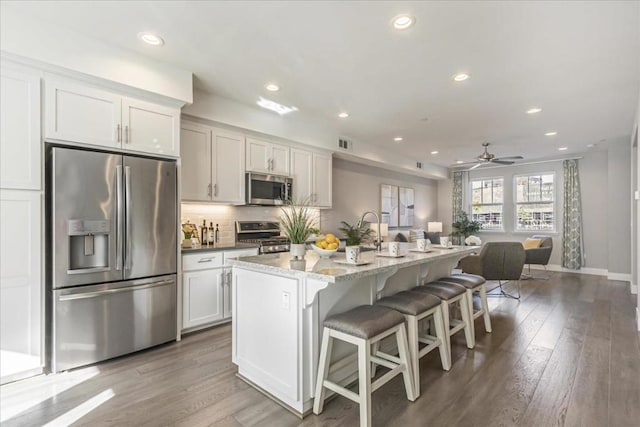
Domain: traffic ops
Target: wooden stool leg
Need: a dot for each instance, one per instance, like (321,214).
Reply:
(441,334)
(407,373)
(364,379)
(485,306)
(468,323)
(323,370)
(414,347)
(469,297)
(374,350)
(446,323)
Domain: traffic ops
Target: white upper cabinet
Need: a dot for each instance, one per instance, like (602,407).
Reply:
(322,180)
(20,150)
(227,174)
(150,128)
(311,173)
(267,157)
(212,164)
(302,174)
(83,114)
(196,162)
(80,113)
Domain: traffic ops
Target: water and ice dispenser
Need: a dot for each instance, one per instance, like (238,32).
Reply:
(88,245)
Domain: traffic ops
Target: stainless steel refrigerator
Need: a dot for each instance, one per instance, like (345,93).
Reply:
(111,254)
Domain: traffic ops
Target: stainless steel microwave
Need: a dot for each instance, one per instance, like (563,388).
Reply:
(268,190)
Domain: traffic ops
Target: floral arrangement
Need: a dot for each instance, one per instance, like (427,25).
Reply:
(473,241)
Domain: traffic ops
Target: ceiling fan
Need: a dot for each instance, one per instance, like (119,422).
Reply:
(487,158)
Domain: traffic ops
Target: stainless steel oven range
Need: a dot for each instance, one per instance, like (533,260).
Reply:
(265,233)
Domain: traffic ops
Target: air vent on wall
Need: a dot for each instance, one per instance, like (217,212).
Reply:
(345,144)
(419,165)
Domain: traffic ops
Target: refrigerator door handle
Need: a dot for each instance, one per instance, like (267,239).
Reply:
(113,291)
(127,202)
(119,217)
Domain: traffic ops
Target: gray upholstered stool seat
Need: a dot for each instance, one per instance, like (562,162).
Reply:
(442,290)
(408,302)
(473,283)
(364,326)
(417,307)
(450,294)
(365,321)
(469,281)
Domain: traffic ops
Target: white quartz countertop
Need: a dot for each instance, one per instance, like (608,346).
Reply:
(327,270)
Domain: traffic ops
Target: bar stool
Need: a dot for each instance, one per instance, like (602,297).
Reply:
(416,306)
(449,294)
(364,326)
(473,283)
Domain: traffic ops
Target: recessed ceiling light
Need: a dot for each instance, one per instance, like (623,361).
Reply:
(151,39)
(402,22)
(459,161)
(343,115)
(591,145)
(534,110)
(434,152)
(461,77)
(272,87)
(274,106)
(563,148)
(554,133)
(397,139)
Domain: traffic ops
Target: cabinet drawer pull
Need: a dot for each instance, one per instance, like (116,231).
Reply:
(202,260)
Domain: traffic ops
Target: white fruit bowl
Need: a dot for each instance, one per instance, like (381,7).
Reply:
(324,253)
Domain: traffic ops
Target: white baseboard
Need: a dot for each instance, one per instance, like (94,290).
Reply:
(634,288)
(624,277)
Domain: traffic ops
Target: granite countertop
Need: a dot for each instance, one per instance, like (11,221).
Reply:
(327,270)
(222,247)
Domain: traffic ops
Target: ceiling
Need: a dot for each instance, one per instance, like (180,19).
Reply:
(578,61)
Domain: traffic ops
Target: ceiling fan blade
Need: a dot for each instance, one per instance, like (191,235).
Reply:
(462,165)
(502,162)
(509,158)
(476,166)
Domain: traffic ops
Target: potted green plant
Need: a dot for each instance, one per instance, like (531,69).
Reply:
(463,227)
(298,224)
(355,234)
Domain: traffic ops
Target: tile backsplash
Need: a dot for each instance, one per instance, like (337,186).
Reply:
(226,216)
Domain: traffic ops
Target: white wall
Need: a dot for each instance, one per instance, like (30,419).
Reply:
(51,44)
(356,189)
(604,182)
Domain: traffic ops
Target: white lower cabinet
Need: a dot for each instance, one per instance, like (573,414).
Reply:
(202,297)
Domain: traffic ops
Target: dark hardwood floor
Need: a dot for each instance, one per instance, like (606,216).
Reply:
(567,354)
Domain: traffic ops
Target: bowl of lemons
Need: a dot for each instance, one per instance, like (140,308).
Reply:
(326,245)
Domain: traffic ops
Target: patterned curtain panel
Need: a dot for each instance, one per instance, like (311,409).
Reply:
(572,228)
(458,193)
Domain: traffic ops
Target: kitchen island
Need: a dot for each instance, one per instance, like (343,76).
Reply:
(279,307)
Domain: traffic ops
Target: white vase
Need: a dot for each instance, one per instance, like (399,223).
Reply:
(297,250)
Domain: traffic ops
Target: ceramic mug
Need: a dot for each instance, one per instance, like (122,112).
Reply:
(353,254)
(422,244)
(445,242)
(394,248)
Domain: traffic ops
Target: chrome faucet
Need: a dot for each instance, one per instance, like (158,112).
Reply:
(378,233)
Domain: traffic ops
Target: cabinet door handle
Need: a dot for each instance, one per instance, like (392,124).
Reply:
(119,133)
(270,164)
(209,190)
(203,260)
(215,190)
(126,134)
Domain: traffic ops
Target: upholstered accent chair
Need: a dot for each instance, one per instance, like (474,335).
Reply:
(501,261)
(538,255)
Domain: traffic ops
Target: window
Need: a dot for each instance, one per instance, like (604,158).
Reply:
(535,202)
(486,202)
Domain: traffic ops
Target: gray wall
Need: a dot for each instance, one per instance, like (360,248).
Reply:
(605,205)
(356,189)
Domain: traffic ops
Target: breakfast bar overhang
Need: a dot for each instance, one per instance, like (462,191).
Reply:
(279,307)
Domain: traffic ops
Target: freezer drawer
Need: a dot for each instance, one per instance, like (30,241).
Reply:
(94,323)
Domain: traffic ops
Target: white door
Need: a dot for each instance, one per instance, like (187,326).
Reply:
(20,283)
(301,172)
(20,147)
(227,174)
(195,172)
(202,297)
(279,160)
(150,128)
(78,113)
(322,180)
(257,156)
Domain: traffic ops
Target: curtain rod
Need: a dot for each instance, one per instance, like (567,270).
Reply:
(526,163)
